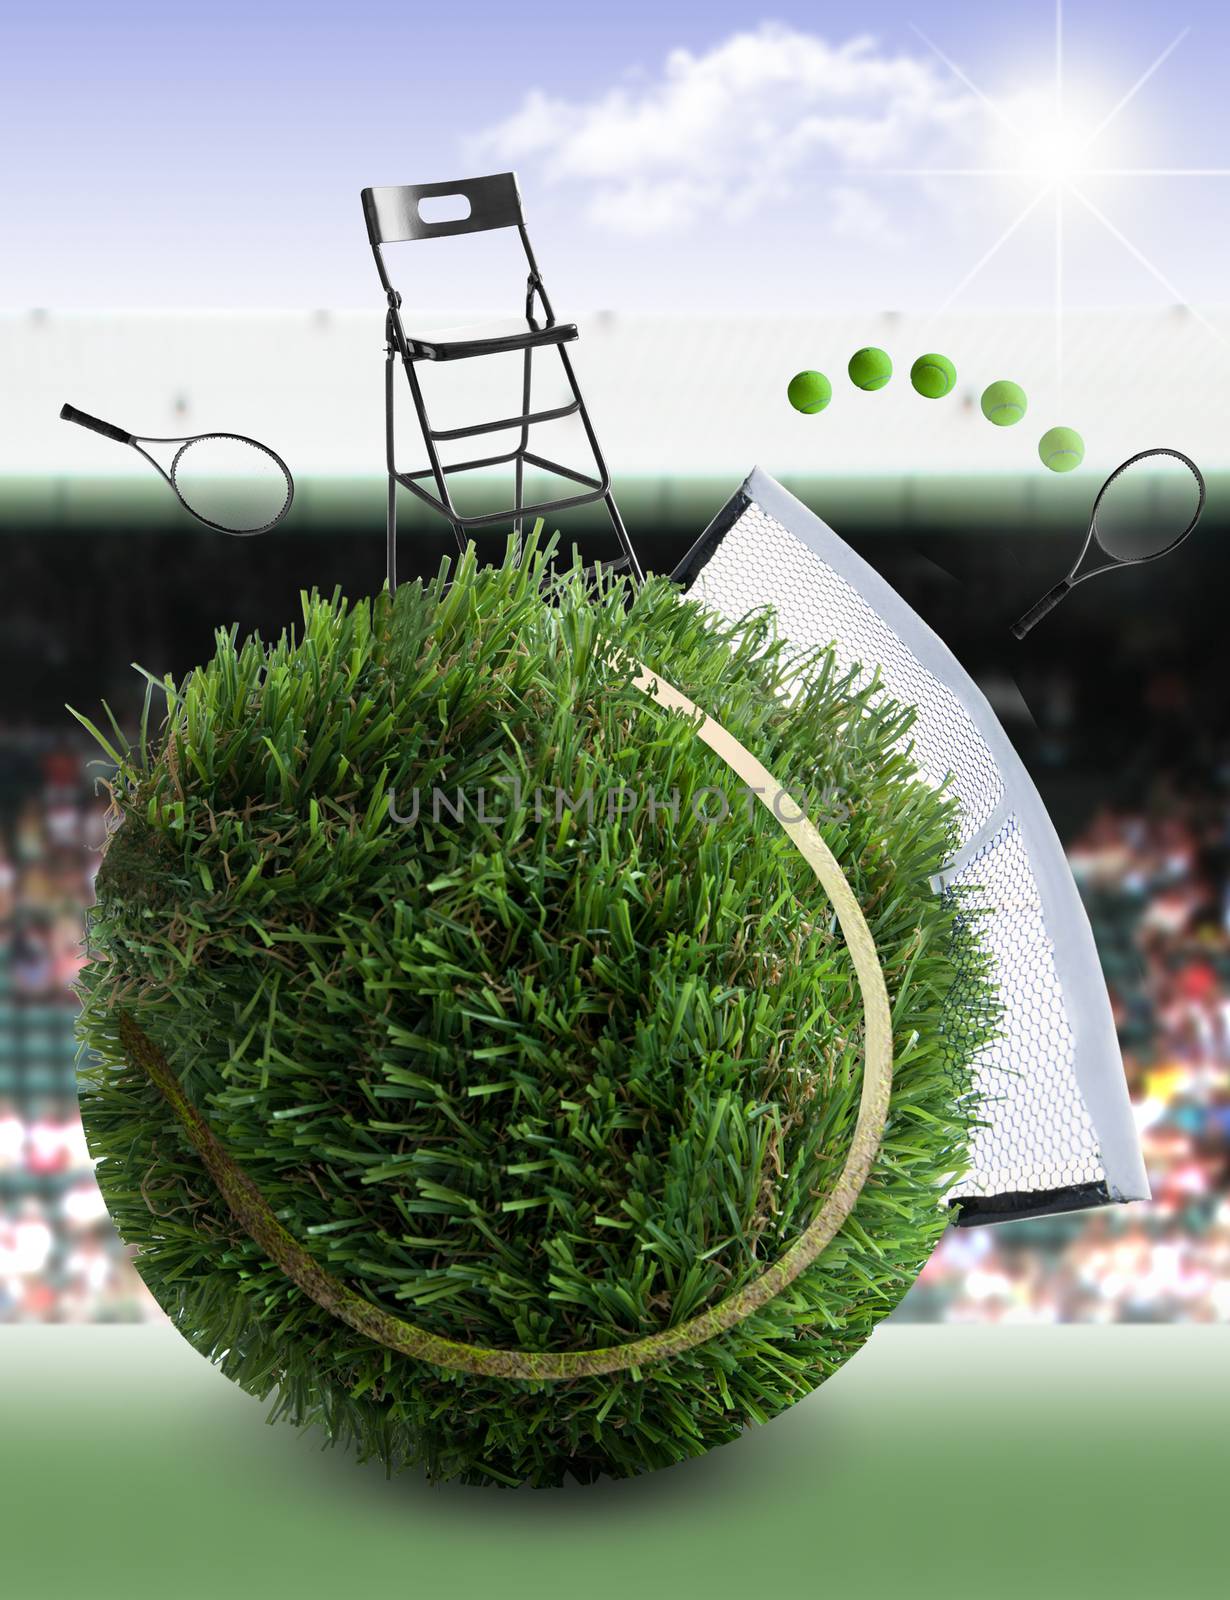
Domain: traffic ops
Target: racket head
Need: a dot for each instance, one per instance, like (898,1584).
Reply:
(1147,507)
(232,483)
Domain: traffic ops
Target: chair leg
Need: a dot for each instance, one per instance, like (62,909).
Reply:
(621,533)
(391,535)
(519,467)
(433,455)
(390,518)
(617,522)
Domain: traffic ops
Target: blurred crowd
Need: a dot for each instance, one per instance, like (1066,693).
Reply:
(60,1259)
(1156,882)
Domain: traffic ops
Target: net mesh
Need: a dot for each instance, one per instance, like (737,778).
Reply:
(1038,1135)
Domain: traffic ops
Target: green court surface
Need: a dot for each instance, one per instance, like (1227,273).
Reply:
(946,1462)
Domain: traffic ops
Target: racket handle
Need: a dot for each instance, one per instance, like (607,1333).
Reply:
(1036,612)
(95,424)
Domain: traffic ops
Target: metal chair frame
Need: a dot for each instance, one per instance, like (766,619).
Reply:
(393,216)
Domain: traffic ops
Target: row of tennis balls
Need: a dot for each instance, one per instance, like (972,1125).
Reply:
(934,376)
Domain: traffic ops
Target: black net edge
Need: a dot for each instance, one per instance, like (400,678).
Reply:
(697,558)
(975,1211)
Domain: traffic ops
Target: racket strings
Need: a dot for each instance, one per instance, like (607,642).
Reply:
(231,482)
(1148,505)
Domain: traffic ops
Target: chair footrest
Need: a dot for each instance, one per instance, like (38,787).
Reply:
(595,488)
(508,514)
(525,419)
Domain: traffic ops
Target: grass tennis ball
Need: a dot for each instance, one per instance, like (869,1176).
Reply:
(525,1070)
(870,368)
(1061,449)
(933,376)
(1004,403)
(809,391)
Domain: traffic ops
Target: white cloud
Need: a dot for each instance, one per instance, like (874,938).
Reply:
(854,214)
(733,128)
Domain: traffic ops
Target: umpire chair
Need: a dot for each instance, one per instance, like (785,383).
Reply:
(393,216)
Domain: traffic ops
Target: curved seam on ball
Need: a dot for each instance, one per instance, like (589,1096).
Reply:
(250,1209)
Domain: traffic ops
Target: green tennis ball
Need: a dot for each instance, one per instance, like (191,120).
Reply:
(809,391)
(525,1070)
(933,376)
(1004,403)
(870,368)
(1061,449)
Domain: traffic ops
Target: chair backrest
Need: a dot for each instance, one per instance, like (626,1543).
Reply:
(393,213)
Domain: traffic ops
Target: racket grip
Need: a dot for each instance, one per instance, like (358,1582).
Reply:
(95,424)
(1036,612)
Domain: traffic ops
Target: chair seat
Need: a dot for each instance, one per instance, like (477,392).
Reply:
(451,344)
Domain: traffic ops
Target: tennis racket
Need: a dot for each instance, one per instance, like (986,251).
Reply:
(1145,509)
(224,480)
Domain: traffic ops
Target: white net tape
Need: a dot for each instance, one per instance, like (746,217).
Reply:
(1059,1133)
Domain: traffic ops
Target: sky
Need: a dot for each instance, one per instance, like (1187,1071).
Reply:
(673,157)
